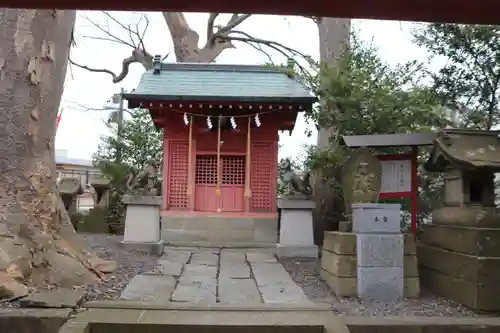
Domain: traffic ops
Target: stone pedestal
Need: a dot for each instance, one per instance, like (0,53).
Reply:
(296,229)
(142,223)
(379,251)
(459,256)
(339,264)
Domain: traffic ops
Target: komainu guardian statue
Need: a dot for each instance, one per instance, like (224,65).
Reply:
(144,182)
(296,185)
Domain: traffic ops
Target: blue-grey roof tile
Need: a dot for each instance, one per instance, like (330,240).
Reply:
(214,81)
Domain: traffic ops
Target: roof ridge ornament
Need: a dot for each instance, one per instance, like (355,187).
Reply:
(157,64)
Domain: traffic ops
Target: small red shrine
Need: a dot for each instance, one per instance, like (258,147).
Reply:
(221,125)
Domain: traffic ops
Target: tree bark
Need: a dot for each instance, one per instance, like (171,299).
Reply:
(38,244)
(333,39)
(186,41)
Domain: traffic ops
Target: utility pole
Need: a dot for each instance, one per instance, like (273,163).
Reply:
(119,122)
(117,118)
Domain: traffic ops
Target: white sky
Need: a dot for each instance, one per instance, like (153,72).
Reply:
(80,130)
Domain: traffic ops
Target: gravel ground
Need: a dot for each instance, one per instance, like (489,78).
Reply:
(130,263)
(306,274)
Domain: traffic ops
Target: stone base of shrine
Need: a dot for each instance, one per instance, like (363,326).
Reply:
(462,264)
(219,229)
(339,264)
(297,251)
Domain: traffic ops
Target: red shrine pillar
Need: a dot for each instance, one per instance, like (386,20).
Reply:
(248,162)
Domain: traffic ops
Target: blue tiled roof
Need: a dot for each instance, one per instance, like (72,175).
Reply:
(214,82)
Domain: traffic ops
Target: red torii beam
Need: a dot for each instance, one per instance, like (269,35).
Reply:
(457,11)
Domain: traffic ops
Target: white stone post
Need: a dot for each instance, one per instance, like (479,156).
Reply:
(142,223)
(379,251)
(296,229)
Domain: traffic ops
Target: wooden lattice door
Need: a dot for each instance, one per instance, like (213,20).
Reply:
(232,183)
(205,183)
(262,177)
(178,177)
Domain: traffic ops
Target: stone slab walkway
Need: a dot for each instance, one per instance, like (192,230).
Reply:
(213,275)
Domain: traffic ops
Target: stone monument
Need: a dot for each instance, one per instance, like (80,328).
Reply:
(296,238)
(379,242)
(459,252)
(142,217)
(70,189)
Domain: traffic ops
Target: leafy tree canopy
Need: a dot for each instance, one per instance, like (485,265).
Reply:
(140,141)
(469,82)
(362,94)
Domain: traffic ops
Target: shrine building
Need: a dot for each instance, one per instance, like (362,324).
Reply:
(220,155)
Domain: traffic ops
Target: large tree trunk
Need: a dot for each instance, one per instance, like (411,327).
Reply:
(333,39)
(186,41)
(38,244)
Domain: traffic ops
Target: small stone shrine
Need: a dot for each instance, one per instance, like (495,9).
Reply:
(296,225)
(142,217)
(459,252)
(101,187)
(70,189)
(376,262)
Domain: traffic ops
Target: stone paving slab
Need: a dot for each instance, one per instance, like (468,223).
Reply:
(152,288)
(205,258)
(181,257)
(208,276)
(229,257)
(239,271)
(193,249)
(166,267)
(261,257)
(238,291)
(62,298)
(269,273)
(196,291)
(200,271)
(183,248)
(282,293)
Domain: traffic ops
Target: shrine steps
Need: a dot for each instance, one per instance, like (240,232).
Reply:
(221,231)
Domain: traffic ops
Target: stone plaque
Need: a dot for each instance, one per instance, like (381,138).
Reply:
(361,178)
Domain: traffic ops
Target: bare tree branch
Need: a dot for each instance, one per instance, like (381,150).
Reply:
(316,19)
(138,56)
(235,21)
(108,33)
(186,40)
(280,48)
(210,24)
(136,42)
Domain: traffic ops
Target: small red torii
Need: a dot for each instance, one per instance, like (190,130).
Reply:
(399,171)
